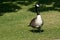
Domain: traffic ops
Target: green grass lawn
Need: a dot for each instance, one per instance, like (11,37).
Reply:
(14,25)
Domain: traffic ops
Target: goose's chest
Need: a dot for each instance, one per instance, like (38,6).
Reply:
(38,21)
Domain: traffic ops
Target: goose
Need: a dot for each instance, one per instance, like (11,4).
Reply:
(37,22)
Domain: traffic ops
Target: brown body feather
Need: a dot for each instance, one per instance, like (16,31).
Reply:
(32,23)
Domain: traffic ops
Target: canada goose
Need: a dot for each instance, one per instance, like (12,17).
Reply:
(37,21)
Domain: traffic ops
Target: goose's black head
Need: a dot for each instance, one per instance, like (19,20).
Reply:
(37,8)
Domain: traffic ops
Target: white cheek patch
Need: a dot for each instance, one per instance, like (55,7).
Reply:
(37,5)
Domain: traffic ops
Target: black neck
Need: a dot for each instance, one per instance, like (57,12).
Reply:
(37,11)
(38,14)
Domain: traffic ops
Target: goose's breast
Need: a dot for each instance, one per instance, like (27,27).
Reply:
(38,22)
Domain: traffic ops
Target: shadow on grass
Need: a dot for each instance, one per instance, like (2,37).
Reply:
(25,2)
(37,31)
(8,7)
(21,2)
(45,1)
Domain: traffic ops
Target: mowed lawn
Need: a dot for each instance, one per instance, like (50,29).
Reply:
(14,25)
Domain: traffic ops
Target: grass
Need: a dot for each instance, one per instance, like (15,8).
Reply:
(14,25)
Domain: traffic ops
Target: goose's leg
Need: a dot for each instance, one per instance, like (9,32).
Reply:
(39,28)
